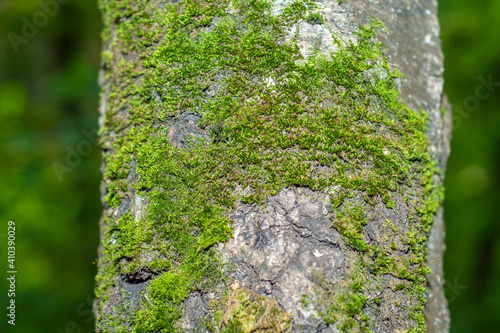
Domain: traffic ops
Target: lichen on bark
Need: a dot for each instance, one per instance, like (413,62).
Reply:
(213,113)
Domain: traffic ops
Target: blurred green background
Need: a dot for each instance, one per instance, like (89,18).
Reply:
(49,97)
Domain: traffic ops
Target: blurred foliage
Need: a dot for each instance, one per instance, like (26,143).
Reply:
(470,31)
(49,96)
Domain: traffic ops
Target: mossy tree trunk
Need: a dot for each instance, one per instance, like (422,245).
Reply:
(268,168)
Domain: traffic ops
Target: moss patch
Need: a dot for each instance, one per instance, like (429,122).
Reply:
(248,312)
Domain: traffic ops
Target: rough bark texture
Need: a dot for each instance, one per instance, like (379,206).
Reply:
(286,248)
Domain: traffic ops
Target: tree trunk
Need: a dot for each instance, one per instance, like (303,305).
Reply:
(267,168)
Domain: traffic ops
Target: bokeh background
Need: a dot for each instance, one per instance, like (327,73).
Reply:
(49,100)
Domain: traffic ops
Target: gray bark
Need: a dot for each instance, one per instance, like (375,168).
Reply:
(279,248)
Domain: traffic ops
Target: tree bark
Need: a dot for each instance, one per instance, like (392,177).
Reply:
(266,169)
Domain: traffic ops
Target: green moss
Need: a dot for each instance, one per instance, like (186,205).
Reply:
(276,120)
(350,223)
(345,305)
(248,312)
(305,301)
(399,286)
(315,18)
(161,310)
